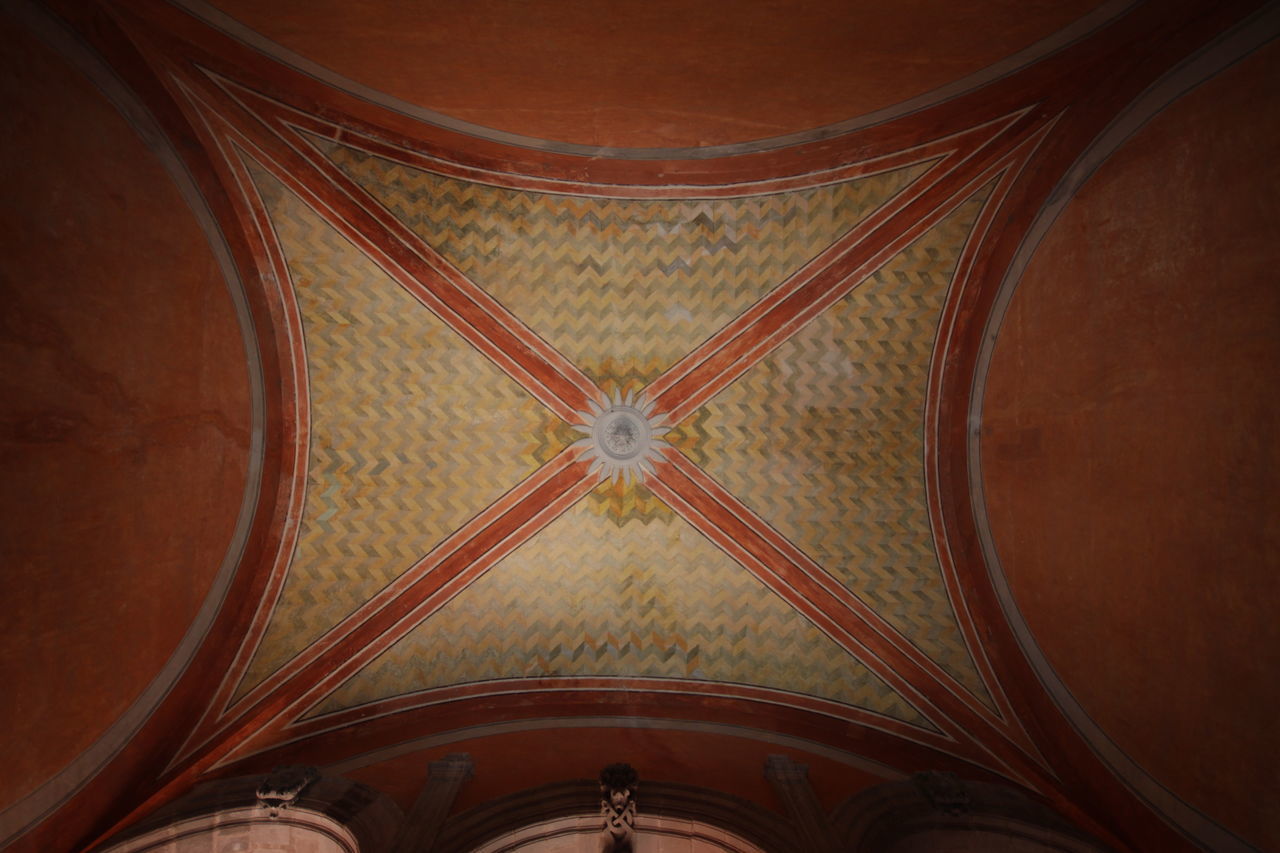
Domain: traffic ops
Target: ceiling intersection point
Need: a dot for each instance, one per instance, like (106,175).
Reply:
(624,438)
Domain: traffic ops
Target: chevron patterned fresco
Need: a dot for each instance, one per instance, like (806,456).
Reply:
(824,439)
(637,281)
(412,431)
(587,597)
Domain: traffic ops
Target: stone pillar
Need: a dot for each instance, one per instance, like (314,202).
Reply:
(791,782)
(444,779)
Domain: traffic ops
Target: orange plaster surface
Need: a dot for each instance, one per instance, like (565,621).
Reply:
(509,763)
(1130,452)
(654,73)
(124,415)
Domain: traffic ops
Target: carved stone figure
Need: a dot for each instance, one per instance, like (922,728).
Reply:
(284,786)
(618,783)
(945,791)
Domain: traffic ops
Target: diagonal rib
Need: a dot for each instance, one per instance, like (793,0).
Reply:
(970,160)
(400,606)
(259,126)
(792,575)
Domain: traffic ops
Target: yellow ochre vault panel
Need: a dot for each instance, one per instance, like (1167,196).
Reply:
(630,281)
(825,440)
(412,431)
(586,597)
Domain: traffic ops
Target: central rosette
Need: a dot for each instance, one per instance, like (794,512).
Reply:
(622,433)
(623,437)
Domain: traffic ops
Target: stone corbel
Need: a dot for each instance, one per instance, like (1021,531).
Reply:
(284,786)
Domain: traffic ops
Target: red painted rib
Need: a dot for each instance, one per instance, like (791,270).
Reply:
(477,317)
(787,571)
(694,380)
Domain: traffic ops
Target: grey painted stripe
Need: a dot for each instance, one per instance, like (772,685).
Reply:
(550,723)
(1095,20)
(37,805)
(1223,52)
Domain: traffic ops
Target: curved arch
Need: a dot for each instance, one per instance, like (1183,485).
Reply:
(249,827)
(566,809)
(935,808)
(38,804)
(1232,46)
(332,813)
(1095,20)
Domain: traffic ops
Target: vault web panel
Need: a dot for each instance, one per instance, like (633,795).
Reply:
(589,598)
(825,440)
(412,431)
(629,281)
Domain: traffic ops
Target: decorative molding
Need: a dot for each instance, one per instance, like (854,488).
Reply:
(496,689)
(618,783)
(778,739)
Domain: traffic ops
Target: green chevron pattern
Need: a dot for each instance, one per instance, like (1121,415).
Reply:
(412,431)
(635,281)
(589,598)
(825,440)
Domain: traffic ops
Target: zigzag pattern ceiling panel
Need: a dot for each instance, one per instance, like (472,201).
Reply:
(619,284)
(412,431)
(825,439)
(587,597)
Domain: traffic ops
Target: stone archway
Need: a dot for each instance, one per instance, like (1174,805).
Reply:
(281,813)
(940,813)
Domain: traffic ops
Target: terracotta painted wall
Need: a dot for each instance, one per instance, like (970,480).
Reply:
(654,73)
(1129,447)
(124,414)
(508,763)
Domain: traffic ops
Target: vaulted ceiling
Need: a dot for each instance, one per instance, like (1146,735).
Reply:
(888,387)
